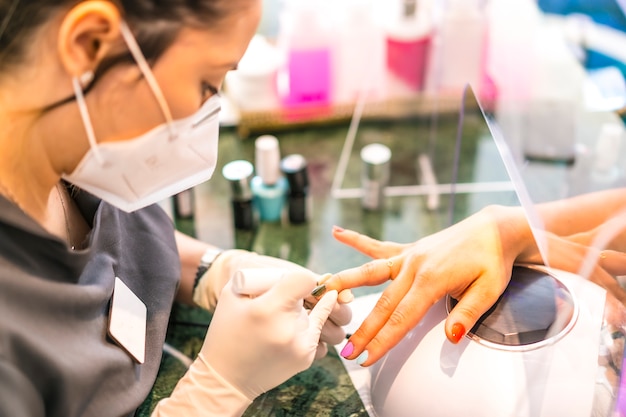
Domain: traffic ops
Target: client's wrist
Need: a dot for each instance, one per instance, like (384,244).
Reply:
(516,235)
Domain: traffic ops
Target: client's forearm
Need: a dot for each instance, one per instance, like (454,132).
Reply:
(582,213)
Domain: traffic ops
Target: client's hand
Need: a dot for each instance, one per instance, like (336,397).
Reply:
(253,344)
(573,254)
(471,260)
(222,270)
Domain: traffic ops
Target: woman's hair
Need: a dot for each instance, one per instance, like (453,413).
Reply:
(155,24)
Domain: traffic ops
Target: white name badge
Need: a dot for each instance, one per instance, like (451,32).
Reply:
(127,321)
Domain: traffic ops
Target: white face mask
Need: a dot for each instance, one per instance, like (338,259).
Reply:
(170,158)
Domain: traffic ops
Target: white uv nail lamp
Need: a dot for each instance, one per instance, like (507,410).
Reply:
(552,346)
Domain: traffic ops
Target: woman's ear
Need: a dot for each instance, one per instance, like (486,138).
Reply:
(87,33)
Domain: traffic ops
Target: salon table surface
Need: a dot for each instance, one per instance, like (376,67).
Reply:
(326,388)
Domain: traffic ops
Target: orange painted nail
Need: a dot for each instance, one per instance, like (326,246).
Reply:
(458,331)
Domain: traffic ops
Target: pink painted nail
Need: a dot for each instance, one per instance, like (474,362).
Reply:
(347,350)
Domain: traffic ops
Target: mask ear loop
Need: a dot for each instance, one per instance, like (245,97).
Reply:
(84,114)
(135,51)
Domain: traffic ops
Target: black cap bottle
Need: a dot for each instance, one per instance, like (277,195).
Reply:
(295,169)
(239,174)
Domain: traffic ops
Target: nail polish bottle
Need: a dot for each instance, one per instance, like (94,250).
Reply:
(294,167)
(306,41)
(269,186)
(239,174)
(375,172)
(408,44)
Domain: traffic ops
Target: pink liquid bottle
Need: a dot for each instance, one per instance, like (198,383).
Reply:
(305,41)
(408,46)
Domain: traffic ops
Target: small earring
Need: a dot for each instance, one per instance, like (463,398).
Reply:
(85,78)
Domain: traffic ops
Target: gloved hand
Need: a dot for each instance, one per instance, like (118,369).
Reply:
(210,285)
(253,344)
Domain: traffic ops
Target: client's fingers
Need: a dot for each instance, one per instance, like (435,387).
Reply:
(613,262)
(345,296)
(383,314)
(407,314)
(367,245)
(608,282)
(369,274)
(474,302)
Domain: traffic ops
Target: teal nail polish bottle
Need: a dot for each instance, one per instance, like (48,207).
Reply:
(269,186)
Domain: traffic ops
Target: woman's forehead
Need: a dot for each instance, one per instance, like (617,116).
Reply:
(223,44)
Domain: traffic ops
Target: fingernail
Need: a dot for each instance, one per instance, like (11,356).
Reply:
(347,350)
(338,229)
(318,291)
(346,296)
(324,278)
(458,331)
(362,357)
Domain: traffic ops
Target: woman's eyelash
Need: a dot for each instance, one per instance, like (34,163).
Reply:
(206,87)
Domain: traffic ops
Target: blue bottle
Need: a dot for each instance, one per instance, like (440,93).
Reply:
(269,186)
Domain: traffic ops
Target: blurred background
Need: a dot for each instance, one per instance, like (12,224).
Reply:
(313,60)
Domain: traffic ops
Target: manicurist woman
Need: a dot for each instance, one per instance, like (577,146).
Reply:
(107,107)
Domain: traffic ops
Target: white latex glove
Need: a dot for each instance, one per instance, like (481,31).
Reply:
(230,261)
(253,344)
